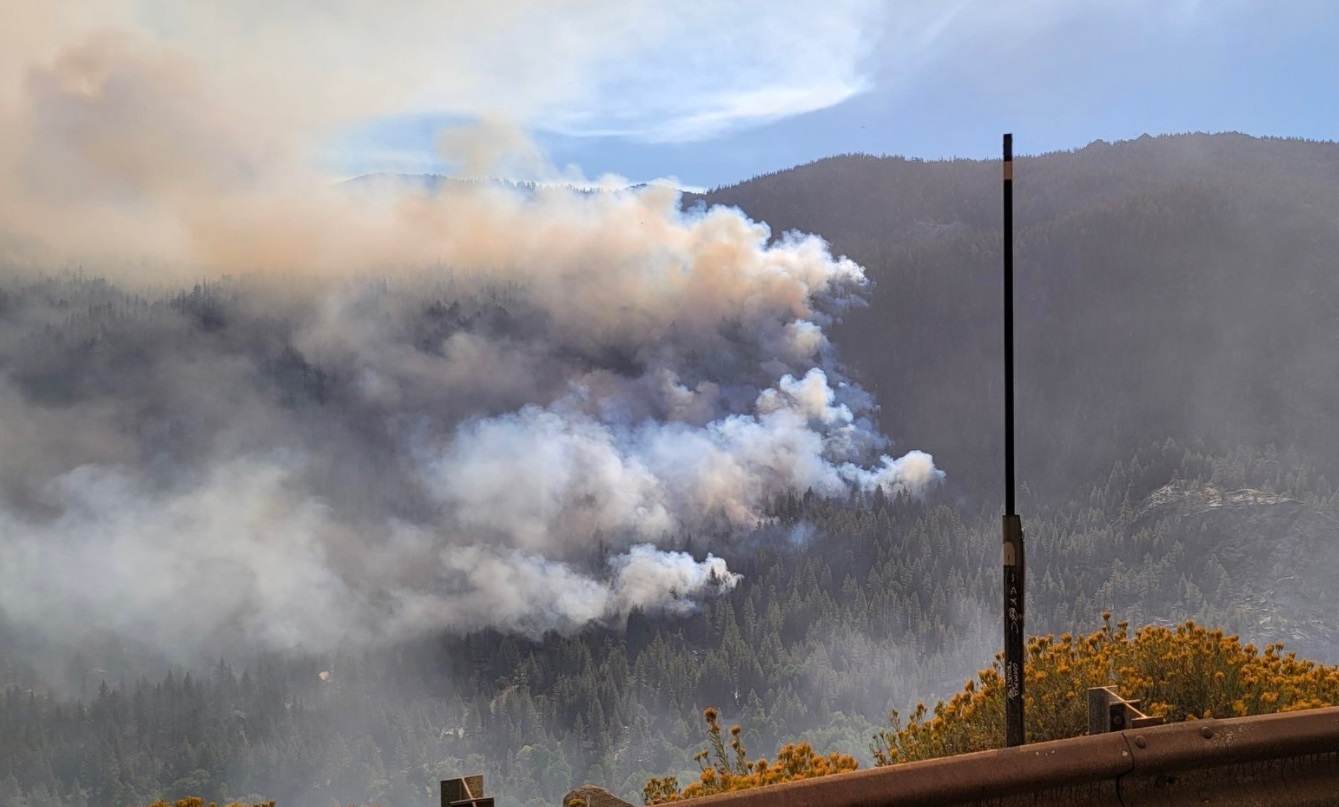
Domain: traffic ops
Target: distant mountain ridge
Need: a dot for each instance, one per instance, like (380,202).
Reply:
(860,196)
(432,183)
(429,183)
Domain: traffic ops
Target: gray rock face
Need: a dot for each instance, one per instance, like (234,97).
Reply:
(1281,555)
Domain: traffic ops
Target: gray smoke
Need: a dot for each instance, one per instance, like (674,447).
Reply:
(526,439)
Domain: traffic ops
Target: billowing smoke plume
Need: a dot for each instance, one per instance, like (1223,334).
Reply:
(499,441)
(379,413)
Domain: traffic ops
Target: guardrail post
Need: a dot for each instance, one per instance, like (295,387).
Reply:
(1108,711)
(467,791)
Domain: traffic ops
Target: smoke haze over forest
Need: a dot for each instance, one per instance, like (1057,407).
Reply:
(370,458)
(323,490)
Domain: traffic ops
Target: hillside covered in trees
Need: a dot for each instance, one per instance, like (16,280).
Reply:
(1178,286)
(1178,312)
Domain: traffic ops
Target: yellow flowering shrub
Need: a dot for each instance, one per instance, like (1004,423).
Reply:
(1186,672)
(724,771)
(1182,673)
(196,801)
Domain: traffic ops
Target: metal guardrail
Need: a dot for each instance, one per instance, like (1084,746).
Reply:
(1284,759)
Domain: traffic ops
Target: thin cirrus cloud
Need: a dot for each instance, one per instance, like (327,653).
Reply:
(645,72)
(709,68)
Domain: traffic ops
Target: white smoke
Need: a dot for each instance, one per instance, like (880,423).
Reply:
(238,557)
(524,477)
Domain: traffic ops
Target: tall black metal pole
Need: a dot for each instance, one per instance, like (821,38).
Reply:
(1013,525)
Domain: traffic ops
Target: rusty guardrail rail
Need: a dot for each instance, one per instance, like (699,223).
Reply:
(1282,759)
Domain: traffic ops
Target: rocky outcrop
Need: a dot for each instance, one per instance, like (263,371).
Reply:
(1281,556)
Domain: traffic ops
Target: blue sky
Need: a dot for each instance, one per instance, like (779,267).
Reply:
(716,92)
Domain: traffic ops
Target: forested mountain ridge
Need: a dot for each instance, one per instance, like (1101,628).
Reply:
(864,203)
(1180,286)
(1179,428)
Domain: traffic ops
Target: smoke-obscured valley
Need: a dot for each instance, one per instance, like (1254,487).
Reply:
(323,492)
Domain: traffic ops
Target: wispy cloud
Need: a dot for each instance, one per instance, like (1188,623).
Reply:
(706,68)
(645,70)
(637,70)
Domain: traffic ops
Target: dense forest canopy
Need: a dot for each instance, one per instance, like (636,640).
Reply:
(1178,310)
